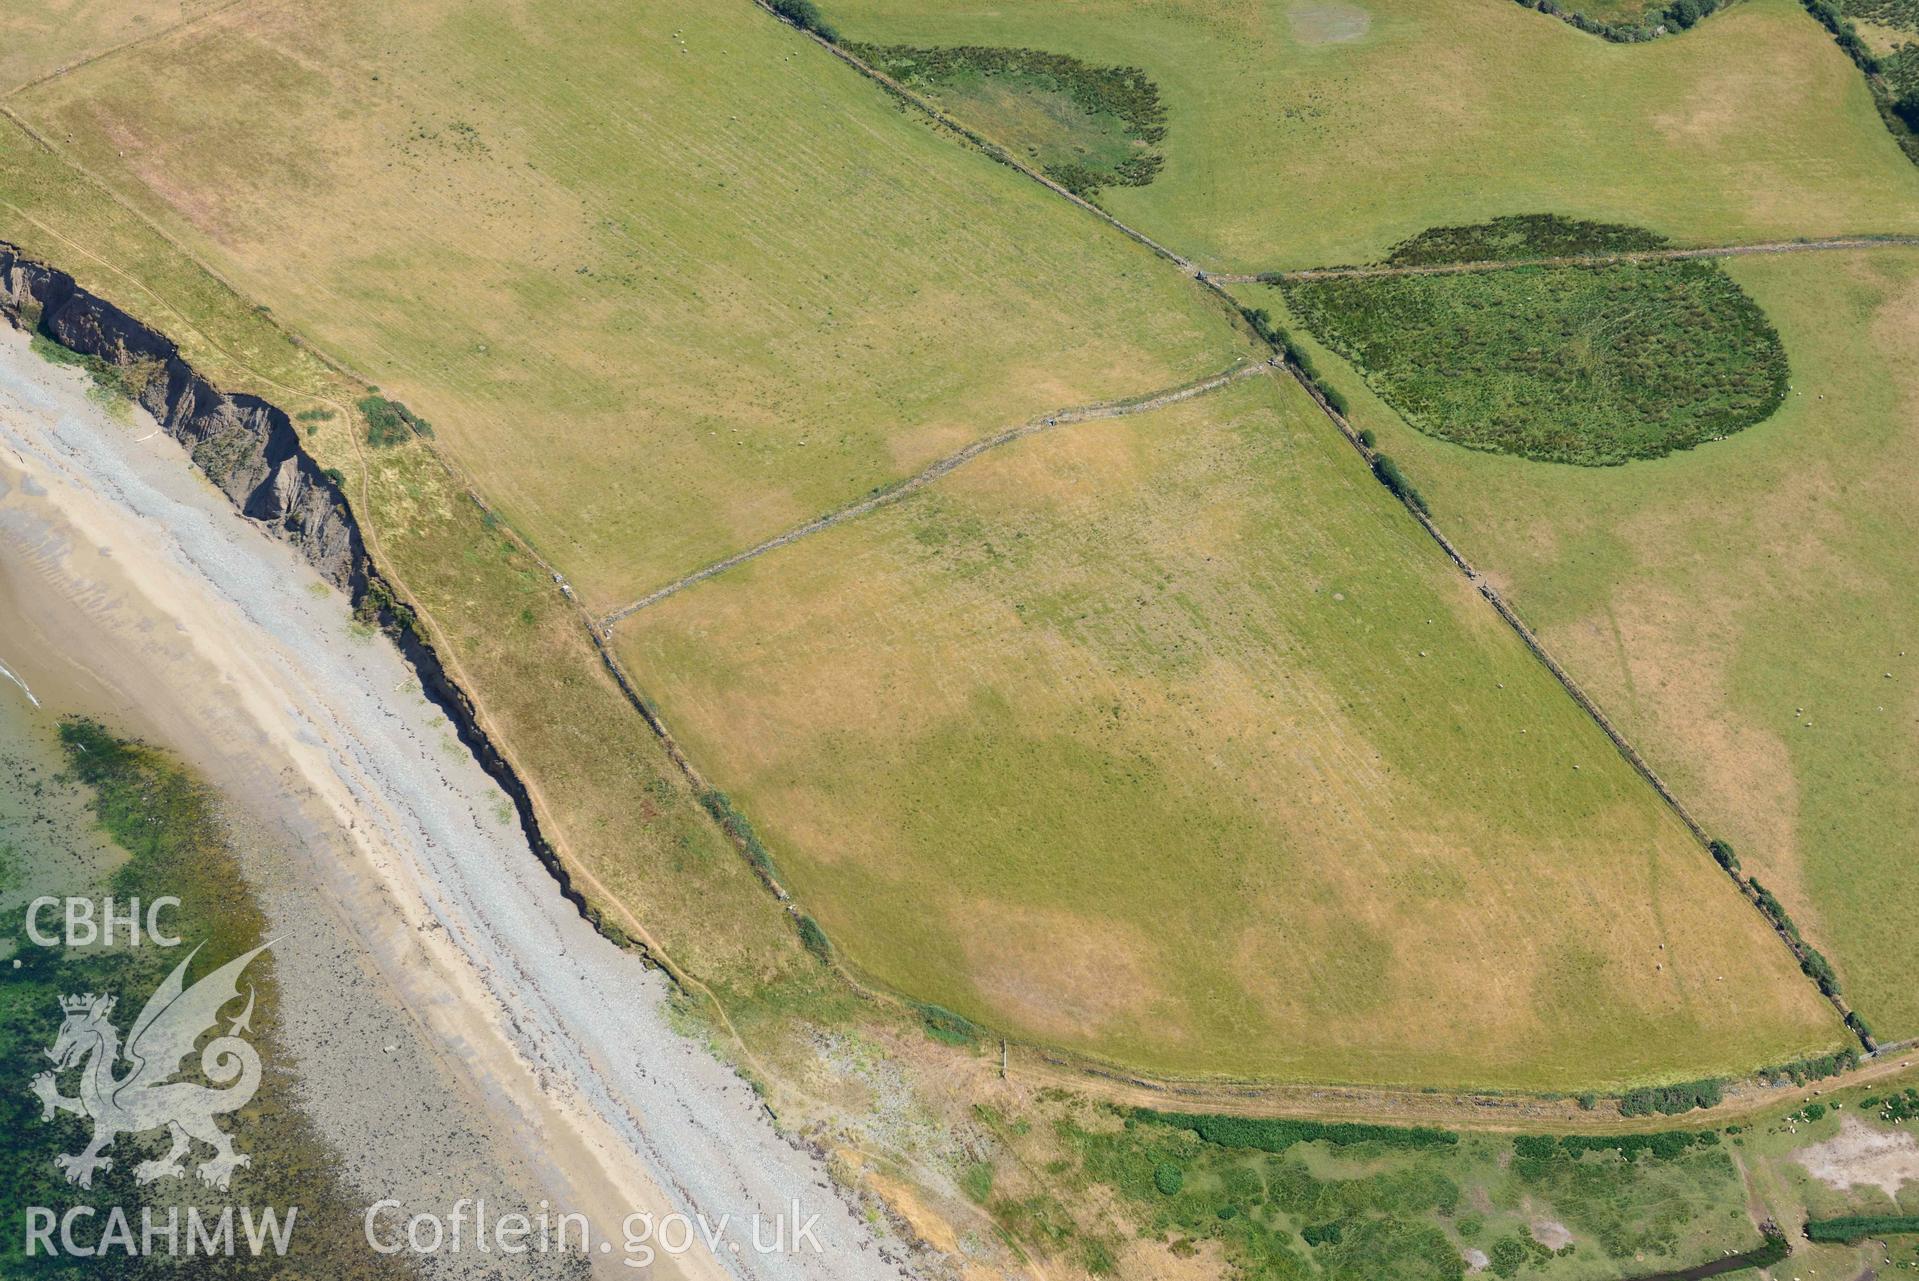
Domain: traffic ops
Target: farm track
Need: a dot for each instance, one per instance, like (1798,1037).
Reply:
(1570,260)
(893,493)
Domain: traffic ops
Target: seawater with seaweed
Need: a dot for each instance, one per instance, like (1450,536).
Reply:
(87,816)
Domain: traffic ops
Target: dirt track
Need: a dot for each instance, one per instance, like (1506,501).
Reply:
(1059,418)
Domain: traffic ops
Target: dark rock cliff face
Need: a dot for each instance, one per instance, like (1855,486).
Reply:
(252,452)
(244,445)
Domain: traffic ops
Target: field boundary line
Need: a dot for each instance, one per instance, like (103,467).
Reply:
(1531,640)
(149,38)
(892,493)
(993,150)
(1674,254)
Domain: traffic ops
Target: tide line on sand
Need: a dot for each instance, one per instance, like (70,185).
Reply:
(8,673)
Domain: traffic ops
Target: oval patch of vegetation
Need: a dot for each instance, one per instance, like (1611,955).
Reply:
(1590,363)
(1085,127)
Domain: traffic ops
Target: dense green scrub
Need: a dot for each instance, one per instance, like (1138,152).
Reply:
(1366,1206)
(167,822)
(1520,236)
(1588,364)
(1085,126)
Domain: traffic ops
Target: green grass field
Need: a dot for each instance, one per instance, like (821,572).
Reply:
(1744,609)
(667,282)
(1589,364)
(1297,140)
(1172,740)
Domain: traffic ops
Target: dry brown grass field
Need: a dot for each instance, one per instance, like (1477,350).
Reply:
(1173,741)
(666,281)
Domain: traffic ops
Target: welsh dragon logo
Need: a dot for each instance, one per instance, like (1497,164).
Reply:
(147,1096)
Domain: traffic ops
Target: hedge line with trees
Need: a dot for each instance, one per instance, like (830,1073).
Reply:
(1677,16)
(1857,1227)
(1670,1100)
(1277,1135)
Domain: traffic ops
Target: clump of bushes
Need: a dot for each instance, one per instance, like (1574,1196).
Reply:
(805,15)
(813,938)
(1394,479)
(388,422)
(1671,1100)
(945,1026)
(1812,1069)
(1676,16)
(1125,95)
(734,824)
(1723,855)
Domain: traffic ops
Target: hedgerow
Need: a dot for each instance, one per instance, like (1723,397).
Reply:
(734,824)
(1811,960)
(1857,1227)
(943,1025)
(1677,16)
(805,15)
(1811,1069)
(1672,1099)
(1520,236)
(1662,1146)
(1276,1135)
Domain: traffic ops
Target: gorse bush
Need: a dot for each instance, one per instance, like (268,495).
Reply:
(1392,478)
(1086,126)
(813,938)
(1519,236)
(1672,1099)
(388,422)
(1677,16)
(1813,1069)
(1860,1226)
(805,15)
(1595,364)
(734,824)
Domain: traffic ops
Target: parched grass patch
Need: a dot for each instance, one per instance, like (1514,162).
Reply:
(1587,364)
(1085,126)
(665,280)
(1173,741)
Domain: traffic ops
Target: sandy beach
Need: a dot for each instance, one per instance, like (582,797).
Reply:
(519,1055)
